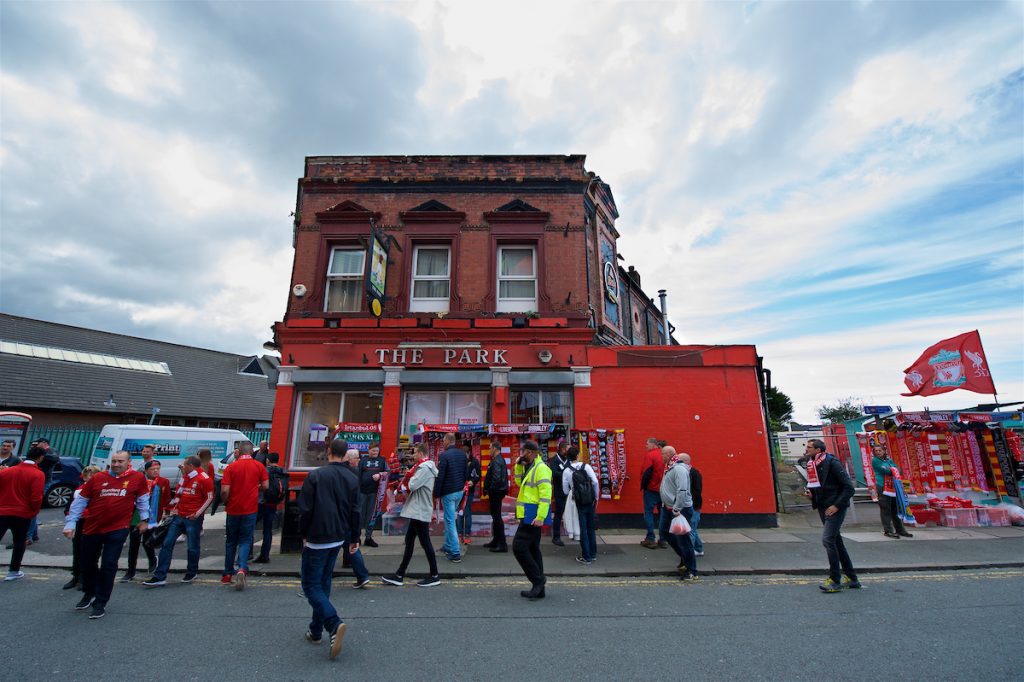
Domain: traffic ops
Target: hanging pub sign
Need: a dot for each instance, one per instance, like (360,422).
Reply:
(377,274)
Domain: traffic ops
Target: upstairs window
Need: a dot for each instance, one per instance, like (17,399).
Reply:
(431,281)
(345,280)
(517,279)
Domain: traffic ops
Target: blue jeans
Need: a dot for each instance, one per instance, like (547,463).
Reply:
(191,528)
(450,503)
(238,529)
(358,565)
(652,501)
(838,558)
(266,514)
(465,524)
(317,570)
(682,544)
(588,531)
(698,544)
(33,529)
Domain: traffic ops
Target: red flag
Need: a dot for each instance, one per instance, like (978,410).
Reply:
(955,363)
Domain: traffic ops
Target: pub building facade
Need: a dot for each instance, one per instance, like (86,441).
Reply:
(484,293)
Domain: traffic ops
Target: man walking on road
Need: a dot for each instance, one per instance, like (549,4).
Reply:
(21,498)
(111,498)
(676,499)
(831,491)
(697,493)
(193,497)
(451,482)
(533,507)
(328,524)
(240,488)
(650,483)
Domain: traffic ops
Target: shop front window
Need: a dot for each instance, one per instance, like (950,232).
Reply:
(542,407)
(444,407)
(320,413)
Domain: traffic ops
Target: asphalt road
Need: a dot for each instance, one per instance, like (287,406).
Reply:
(907,626)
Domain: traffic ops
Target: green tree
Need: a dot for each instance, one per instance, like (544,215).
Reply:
(780,409)
(847,408)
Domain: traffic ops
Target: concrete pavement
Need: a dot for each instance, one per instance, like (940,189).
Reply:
(793,548)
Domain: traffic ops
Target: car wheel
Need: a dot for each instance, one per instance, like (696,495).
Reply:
(59,495)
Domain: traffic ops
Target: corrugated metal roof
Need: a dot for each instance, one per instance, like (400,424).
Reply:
(203,383)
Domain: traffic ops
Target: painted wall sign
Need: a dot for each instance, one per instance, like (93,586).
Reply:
(448,356)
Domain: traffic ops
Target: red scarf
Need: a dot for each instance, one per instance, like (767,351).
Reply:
(812,471)
(890,481)
(409,474)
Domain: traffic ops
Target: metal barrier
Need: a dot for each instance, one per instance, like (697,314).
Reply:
(77,441)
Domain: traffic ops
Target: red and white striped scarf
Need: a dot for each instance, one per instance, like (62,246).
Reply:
(812,471)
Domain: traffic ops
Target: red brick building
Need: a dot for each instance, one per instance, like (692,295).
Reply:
(488,290)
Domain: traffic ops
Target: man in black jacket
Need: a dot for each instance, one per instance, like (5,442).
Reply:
(558,465)
(372,470)
(452,470)
(831,492)
(328,523)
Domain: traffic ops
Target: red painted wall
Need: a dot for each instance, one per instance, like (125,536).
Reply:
(727,442)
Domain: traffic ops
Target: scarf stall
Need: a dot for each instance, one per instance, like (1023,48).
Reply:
(950,468)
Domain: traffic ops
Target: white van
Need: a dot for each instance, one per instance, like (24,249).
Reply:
(172,443)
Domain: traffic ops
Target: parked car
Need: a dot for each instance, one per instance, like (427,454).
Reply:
(66,477)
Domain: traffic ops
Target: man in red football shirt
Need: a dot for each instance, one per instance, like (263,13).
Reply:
(21,497)
(111,497)
(240,489)
(653,470)
(192,498)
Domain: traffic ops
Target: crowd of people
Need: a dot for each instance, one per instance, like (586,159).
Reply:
(339,505)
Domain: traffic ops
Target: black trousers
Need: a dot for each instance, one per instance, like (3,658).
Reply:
(418,530)
(19,531)
(100,553)
(526,548)
(559,512)
(76,551)
(891,521)
(497,523)
(135,539)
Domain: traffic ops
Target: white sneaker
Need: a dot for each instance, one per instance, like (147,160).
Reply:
(14,575)
(698,553)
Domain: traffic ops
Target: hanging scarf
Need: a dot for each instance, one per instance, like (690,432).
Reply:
(812,471)
(889,489)
(409,474)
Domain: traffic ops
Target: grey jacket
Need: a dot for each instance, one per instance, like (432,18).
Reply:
(419,504)
(675,487)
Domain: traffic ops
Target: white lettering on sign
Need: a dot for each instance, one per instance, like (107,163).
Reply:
(414,356)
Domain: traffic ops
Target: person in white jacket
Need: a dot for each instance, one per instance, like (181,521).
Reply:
(418,510)
(586,504)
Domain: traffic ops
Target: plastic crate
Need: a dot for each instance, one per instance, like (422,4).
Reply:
(990,516)
(958,518)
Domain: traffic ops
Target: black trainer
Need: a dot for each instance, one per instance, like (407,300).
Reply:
(188,577)
(370,542)
(85,602)
(393,579)
(154,582)
(432,581)
(97,613)
(359,584)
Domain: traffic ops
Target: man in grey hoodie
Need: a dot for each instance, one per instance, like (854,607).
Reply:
(676,499)
(418,510)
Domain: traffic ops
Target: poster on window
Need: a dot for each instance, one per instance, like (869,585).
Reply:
(358,435)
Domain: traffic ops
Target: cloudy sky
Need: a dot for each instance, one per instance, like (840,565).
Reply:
(841,184)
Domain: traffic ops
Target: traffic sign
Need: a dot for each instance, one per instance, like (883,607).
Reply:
(877,409)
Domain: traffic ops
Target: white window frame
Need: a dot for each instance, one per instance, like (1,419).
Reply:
(430,305)
(344,277)
(516,305)
(447,403)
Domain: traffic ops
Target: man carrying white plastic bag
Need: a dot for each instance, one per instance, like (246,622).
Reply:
(676,498)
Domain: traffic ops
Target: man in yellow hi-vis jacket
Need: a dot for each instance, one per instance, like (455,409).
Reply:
(533,507)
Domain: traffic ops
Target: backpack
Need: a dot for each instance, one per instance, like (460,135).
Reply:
(277,487)
(582,487)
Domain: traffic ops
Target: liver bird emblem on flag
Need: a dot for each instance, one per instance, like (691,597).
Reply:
(941,368)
